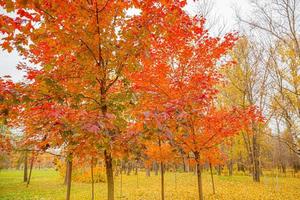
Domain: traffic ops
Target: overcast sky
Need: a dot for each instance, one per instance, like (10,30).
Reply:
(223,8)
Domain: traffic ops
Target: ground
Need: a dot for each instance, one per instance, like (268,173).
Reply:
(47,185)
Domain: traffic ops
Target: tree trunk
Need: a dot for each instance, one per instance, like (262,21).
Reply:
(69,177)
(162,181)
(219,170)
(187,164)
(256,174)
(109,175)
(92,176)
(66,172)
(199,175)
(25,167)
(148,171)
(183,164)
(283,169)
(155,168)
(212,179)
(121,180)
(136,168)
(186,167)
(129,168)
(121,166)
(230,167)
(30,171)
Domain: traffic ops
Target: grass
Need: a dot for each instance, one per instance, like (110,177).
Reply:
(47,185)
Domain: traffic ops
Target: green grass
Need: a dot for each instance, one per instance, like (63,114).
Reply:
(47,185)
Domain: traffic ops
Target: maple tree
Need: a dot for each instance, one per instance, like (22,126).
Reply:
(64,45)
(178,80)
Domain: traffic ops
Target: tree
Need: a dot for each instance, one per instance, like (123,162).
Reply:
(64,45)
(179,79)
(277,27)
(248,86)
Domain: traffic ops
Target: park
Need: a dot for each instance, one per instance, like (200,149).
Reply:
(149,99)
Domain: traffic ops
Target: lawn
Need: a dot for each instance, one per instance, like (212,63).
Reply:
(47,185)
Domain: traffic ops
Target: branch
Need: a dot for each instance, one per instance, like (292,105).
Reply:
(40,151)
(95,100)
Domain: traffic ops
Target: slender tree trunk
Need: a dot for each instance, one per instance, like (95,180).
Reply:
(107,154)
(121,166)
(25,167)
(212,179)
(136,168)
(147,171)
(199,175)
(183,163)
(230,167)
(187,164)
(30,171)
(92,176)
(137,181)
(69,177)
(66,172)
(219,170)
(129,168)
(121,180)
(109,175)
(155,168)
(256,174)
(175,178)
(162,181)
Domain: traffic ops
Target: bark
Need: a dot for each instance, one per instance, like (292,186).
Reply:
(296,167)
(162,181)
(240,163)
(92,176)
(147,171)
(195,170)
(69,177)
(121,166)
(185,162)
(255,159)
(199,175)
(230,167)
(283,167)
(137,181)
(129,168)
(219,170)
(175,179)
(109,175)
(103,92)
(117,171)
(155,167)
(25,167)
(66,173)
(30,171)
(121,180)
(136,169)
(212,179)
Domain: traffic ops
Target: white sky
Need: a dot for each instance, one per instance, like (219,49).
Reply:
(223,8)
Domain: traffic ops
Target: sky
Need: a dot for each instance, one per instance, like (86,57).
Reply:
(223,8)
